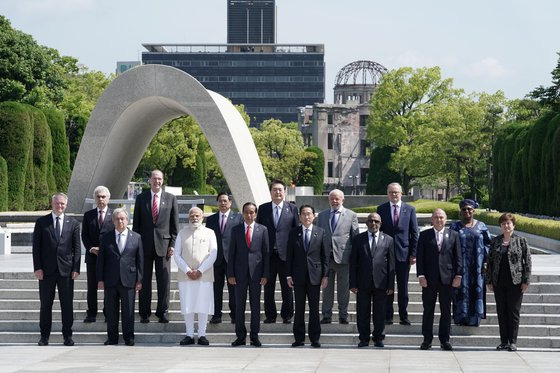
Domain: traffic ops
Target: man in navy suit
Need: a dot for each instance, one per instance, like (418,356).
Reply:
(279,217)
(95,223)
(119,272)
(439,266)
(307,272)
(156,219)
(399,222)
(56,264)
(372,278)
(248,268)
(221,223)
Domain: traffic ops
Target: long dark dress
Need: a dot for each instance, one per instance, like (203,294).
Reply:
(469,301)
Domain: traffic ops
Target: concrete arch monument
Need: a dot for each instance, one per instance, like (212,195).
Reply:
(131,111)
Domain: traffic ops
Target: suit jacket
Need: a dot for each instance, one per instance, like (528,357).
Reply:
(314,262)
(519,258)
(372,270)
(91,231)
(52,254)
(439,265)
(213,222)
(126,268)
(405,234)
(248,264)
(341,239)
(162,234)
(278,236)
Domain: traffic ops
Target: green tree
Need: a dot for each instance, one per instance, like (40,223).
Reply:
(42,146)
(312,170)
(379,174)
(549,97)
(3,184)
(60,150)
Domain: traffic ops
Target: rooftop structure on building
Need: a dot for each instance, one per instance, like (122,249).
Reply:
(251,21)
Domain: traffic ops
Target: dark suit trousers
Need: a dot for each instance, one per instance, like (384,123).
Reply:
(313,294)
(163,274)
(278,267)
(47,288)
(508,306)
(254,302)
(402,269)
(125,296)
(429,296)
(364,300)
(219,278)
(92,288)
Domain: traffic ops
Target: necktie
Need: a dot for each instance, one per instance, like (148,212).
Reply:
(306,239)
(396,215)
(120,243)
(248,236)
(155,209)
(373,244)
(276,215)
(223,225)
(439,239)
(100,218)
(333,220)
(57,227)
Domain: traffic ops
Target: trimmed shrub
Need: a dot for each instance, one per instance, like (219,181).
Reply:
(540,227)
(312,170)
(379,175)
(42,145)
(60,149)
(3,184)
(16,137)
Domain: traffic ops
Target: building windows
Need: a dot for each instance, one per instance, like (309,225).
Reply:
(364,146)
(330,141)
(329,119)
(363,175)
(363,120)
(330,169)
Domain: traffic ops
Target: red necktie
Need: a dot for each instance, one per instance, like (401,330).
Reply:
(100,218)
(248,236)
(154,209)
(396,215)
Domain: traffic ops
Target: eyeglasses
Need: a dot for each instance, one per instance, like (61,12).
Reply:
(374,221)
(467,209)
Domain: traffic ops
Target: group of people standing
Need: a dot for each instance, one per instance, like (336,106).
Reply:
(307,252)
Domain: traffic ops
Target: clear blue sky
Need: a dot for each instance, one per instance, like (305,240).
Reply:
(484,45)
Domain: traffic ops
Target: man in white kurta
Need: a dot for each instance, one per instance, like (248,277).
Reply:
(195,252)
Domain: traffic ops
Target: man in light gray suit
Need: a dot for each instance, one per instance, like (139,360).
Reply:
(341,225)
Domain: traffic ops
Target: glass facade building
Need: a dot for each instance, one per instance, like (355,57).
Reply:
(251,21)
(271,80)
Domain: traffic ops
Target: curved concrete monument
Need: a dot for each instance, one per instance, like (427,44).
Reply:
(131,111)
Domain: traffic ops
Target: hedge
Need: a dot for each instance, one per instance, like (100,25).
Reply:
(540,227)
(3,184)
(60,149)
(42,145)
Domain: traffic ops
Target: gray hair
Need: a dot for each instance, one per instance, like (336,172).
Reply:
(101,189)
(195,208)
(394,184)
(118,211)
(60,194)
(337,191)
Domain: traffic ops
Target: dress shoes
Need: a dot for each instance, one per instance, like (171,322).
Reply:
(110,342)
(89,319)
(326,320)
(343,321)
(270,320)
(203,341)
(363,344)
(68,341)
(446,346)
(425,346)
(512,347)
(502,346)
(255,342)
(379,344)
(144,320)
(187,341)
(315,345)
(163,320)
(43,341)
(298,344)
(389,322)
(216,320)
(129,342)
(238,342)
(404,321)
(287,320)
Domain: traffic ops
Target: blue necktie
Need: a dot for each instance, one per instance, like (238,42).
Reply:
(306,239)
(333,220)
(57,227)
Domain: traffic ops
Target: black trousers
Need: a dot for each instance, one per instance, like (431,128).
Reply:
(278,268)
(92,288)
(508,307)
(402,270)
(429,296)
(255,304)
(366,300)
(123,297)
(219,278)
(313,294)
(47,288)
(163,273)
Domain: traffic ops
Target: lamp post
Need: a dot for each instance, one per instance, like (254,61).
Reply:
(354,181)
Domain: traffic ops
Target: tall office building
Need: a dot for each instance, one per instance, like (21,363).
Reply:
(251,21)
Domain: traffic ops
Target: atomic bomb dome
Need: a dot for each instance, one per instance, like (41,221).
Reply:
(356,82)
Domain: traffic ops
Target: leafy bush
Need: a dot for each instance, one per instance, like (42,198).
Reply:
(3,184)
(540,227)
(60,149)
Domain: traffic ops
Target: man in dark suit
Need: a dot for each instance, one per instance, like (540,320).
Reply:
(156,219)
(279,217)
(439,266)
(221,223)
(399,222)
(248,268)
(307,272)
(119,271)
(341,225)
(95,223)
(372,278)
(56,263)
